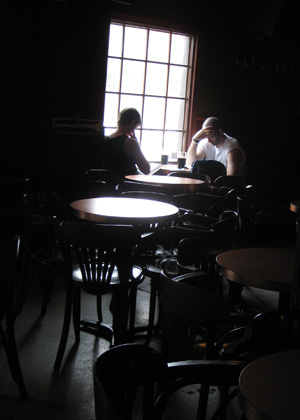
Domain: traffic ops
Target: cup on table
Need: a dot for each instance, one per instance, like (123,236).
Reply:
(181,159)
(164,158)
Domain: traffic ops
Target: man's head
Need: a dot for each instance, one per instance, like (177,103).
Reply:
(215,136)
(129,117)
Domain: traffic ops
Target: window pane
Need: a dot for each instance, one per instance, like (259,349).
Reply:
(177,81)
(156,79)
(180,49)
(158,48)
(173,141)
(154,111)
(133,77)
(151,144)
(135,43)
(131,101)
(111,110)
(115,40)
(175,114)
(113,75)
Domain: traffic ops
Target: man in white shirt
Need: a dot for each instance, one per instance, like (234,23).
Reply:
(212,143)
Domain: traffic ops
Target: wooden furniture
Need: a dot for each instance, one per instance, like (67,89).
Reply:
(269,387)
(98,259)
(264,268)
(124,210)
(120,371)
(176,184)
(9,252)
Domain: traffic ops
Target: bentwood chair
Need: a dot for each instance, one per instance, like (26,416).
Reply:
(41,255)
(122,370)
(209,167)
(98,260)
(9,251)
(268,332)
(193,321)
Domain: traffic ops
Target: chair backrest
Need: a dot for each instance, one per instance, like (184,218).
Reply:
(212,168)
(231,181)
(118,373)
(186,311)
(266,333)
(274,331)
(9,252)
(44,203)
(98,249)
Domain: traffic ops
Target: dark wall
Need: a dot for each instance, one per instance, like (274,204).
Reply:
(56,59)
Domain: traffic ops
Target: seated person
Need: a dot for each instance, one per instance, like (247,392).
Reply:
(212,143)
(122,153)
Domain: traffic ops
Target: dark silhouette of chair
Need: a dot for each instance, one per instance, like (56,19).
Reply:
(191,322)
(189,310)
(266,333)
(212,168)
(213,237)
(98,259)
(97,176)
(265,225)
(40,251)
(122,370)
(9,251)
(231,181)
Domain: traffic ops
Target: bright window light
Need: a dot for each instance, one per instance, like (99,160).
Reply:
(149,69)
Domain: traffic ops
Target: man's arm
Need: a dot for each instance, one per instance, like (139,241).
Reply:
(235,160)
(133,150)
(194,152)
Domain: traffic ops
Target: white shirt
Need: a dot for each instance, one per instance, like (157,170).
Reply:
(220,153)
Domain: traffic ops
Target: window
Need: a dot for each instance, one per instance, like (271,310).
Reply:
(150,69)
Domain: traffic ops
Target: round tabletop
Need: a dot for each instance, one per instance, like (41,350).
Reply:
(269,387)
(173,182)
(264,268)
(124,210)
(295,206)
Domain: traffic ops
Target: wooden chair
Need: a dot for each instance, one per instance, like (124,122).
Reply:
(98,260)
(40,251)
(122,370)
(230,181)
(265,225)
(266,333)
(191,316)
(9,251)
(212,168)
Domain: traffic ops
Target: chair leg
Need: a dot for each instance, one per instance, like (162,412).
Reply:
(76,311)
(66,326)
(152,305)
(9,342)
(48,288)
(203,398)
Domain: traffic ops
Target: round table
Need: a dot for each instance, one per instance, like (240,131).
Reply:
(269,387)
(124,210)
(264,268)
(174,183)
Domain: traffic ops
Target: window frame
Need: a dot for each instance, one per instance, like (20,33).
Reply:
(190,114)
